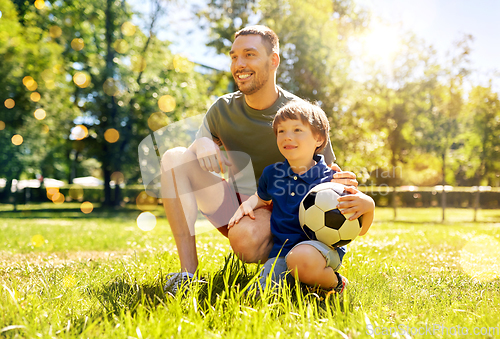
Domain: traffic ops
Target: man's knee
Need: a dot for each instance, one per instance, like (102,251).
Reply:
(175,157)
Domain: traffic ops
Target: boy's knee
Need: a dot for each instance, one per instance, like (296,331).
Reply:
(299,261)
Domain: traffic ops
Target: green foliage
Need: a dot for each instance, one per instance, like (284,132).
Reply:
(27,51)
(482,149)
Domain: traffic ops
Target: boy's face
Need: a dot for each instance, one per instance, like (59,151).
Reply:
(250,65)
(296,141)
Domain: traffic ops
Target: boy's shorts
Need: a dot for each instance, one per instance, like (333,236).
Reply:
(232,200)
(333,260)
(333,257)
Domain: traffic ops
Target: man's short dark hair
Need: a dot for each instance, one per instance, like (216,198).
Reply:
(269,38)
(310,114)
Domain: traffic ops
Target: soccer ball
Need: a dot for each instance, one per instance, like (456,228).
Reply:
(321,220)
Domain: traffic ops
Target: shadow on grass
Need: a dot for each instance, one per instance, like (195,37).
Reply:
(73,213)
(228,286)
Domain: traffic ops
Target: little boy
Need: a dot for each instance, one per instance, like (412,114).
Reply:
(302,131)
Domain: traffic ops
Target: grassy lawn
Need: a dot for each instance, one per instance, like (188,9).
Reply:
(65,274)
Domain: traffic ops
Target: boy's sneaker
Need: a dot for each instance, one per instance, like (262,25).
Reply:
(177,280)
(339,289)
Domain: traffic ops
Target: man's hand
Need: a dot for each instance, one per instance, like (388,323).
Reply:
(209,155)
(343,177)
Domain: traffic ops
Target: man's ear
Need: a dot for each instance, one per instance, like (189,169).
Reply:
(275,61)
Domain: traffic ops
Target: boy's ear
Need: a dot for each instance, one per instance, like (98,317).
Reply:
(319,141)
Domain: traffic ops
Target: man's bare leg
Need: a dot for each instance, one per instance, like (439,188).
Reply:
(207,194)
(251,239)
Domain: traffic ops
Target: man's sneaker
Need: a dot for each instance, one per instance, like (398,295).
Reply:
(175,281)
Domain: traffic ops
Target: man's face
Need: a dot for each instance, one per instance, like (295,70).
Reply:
(250,64)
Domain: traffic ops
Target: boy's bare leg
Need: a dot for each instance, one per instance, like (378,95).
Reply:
(251,239)
(308,265)
(183,177)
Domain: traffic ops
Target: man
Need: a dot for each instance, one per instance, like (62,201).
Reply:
(235,121)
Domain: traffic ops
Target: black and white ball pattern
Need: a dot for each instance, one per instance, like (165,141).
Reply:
(321,220)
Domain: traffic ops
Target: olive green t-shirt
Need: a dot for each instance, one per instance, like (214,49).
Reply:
(237,127)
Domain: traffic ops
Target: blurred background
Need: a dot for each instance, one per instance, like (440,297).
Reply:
(411,91)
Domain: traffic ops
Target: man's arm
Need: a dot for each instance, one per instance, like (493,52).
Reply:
(343,177)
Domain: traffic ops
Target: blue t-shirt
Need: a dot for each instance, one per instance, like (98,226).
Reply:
(287,189)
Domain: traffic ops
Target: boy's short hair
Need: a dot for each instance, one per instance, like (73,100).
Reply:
(310,114)
(269,38)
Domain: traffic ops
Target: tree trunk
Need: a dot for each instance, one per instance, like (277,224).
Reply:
(443,194)
(107,188)
(394,201)
(476,203)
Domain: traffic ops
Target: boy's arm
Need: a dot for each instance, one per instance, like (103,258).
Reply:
(358,204)
(246,208)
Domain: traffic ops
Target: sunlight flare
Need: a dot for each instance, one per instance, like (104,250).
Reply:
(146,221)
(479,258)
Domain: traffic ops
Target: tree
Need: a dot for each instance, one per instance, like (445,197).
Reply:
(121,77)
(34,97)
(397,96)
(441,128)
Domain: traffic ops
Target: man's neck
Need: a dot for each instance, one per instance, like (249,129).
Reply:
(264,98)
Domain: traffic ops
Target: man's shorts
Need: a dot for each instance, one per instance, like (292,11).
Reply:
(232,200)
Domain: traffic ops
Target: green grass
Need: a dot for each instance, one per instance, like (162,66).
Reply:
(99,275)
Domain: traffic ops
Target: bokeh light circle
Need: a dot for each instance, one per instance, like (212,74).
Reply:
(166,103)
(58,198)
(138,63)
(81,79)
(45,129)
(55,32)
(39,4)
(158,120)
(17,139)
(479,258)
(110,87)
(77,44)
(121,46)
(79,132)
(37,240)
(35,97)
(30,83)
(128,28)
(76,192)
(146,202)
(146,221)
(9,103)
(182,64)
(87,207)
(118,177)
(111,135)
(40,114)
(2,125)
